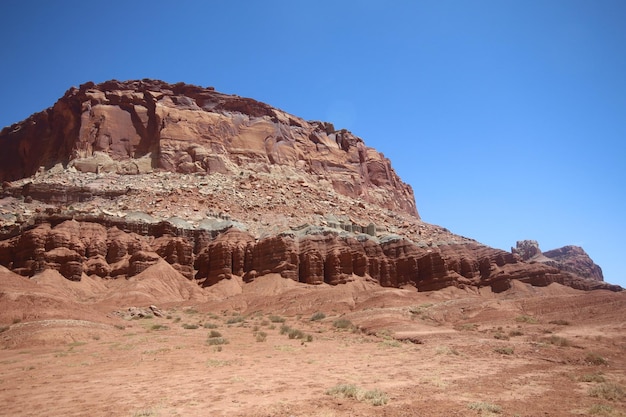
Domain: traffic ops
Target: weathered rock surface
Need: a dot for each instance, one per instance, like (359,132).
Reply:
(312,256)
(137,126)
(123,178)
(572,259)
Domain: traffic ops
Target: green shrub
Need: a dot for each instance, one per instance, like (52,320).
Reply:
(318,316)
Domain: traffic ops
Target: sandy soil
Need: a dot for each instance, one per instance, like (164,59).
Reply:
(68,349)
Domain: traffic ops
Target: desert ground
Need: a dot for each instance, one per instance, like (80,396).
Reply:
(274,347)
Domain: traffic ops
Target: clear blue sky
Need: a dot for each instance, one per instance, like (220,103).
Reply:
(508,118)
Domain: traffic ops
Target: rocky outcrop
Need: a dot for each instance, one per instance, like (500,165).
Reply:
(118,177)
(575,260)
(136,126)
(312,255)
(571,259)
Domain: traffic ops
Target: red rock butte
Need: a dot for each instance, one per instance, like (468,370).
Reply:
(119,176)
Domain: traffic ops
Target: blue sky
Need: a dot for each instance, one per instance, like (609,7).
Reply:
(508,118)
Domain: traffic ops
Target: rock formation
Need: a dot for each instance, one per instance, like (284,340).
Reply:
(572,259)
(119,176)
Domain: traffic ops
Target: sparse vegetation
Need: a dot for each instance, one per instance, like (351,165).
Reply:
(484,406)
(261,336)
(159,327)
(296,334)
(217,341)
(374,397)
(558,341)
(190,326)
(235,319)
(595,359)
(468,327)
(560,322)
(500,336)
(608,391)
(210,326)
(504,350)
(284,329)
(215,333)
(318,316)
(604,410)
(594,377)
(4,328)
(120,327)
(277,319)
(343,323)
(446,350)
(526,319)
(514,333)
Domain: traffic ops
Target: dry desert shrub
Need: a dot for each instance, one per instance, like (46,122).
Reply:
(343,324)
(504,350)
(594,377)
(213,341)
(318,316)
(593,358)
(484,406)
(374,397)
(608,391)
(526,319)
(214,333)
(558,341)
(277,319)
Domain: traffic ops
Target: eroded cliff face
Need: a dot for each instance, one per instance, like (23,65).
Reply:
(137,126)
(313,255)
(118,176)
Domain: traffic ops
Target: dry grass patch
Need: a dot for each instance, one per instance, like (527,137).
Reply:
(374,397)
(485,407)
(608,391)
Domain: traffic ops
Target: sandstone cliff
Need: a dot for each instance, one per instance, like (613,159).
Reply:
(118,176)
(137,126)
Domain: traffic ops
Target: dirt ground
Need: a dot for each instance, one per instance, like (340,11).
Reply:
(274,347)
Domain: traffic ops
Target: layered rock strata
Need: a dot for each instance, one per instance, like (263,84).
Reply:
(118,176)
